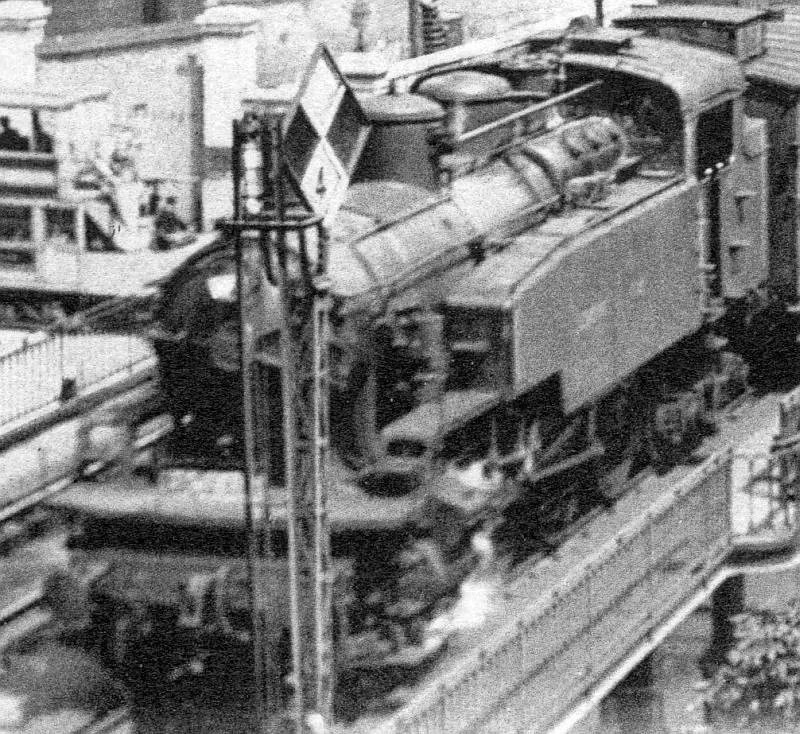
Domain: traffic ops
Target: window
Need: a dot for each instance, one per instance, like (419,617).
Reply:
(714,139)
(60,224)
(15,223)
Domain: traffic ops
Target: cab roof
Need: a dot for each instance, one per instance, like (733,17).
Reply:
(712,14)
(698,77)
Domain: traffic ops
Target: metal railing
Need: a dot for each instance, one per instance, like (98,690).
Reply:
(763,508)
(765,488)
(63,366)
(535,669)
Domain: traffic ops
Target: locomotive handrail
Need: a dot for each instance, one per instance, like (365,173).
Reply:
(530,110)
(605,216)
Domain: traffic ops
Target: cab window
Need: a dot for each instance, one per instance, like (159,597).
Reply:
(714,139)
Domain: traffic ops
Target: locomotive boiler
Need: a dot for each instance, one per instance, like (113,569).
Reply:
(540,297)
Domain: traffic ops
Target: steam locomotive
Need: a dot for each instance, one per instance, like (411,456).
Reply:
(544,278)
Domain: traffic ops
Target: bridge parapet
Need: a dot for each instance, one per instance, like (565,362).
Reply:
(539,666)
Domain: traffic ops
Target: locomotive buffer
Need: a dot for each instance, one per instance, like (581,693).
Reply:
(290,174)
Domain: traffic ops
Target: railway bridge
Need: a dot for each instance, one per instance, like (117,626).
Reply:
(566,629)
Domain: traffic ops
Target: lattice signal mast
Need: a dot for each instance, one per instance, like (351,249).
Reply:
(291,172)
(270,216)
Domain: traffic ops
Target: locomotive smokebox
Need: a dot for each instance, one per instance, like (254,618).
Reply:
(397,148)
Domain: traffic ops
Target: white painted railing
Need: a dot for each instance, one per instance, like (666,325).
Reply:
(62,366)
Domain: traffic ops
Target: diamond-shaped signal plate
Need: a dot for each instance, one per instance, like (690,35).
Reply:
(324,135)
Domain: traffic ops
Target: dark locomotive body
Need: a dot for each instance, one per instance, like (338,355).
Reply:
(522,318)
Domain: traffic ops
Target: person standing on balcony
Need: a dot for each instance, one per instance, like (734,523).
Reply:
(170,230)
(10,139)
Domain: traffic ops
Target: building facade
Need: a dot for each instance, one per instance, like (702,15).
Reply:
(75,16)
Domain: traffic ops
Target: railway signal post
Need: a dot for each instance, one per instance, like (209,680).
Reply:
(290,173)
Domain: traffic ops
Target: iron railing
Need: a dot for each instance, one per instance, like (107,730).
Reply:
(763,508)
(63,366)
(765,487)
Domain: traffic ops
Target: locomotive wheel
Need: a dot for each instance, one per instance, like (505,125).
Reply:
(569,509)
(663,454)
(562,507)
